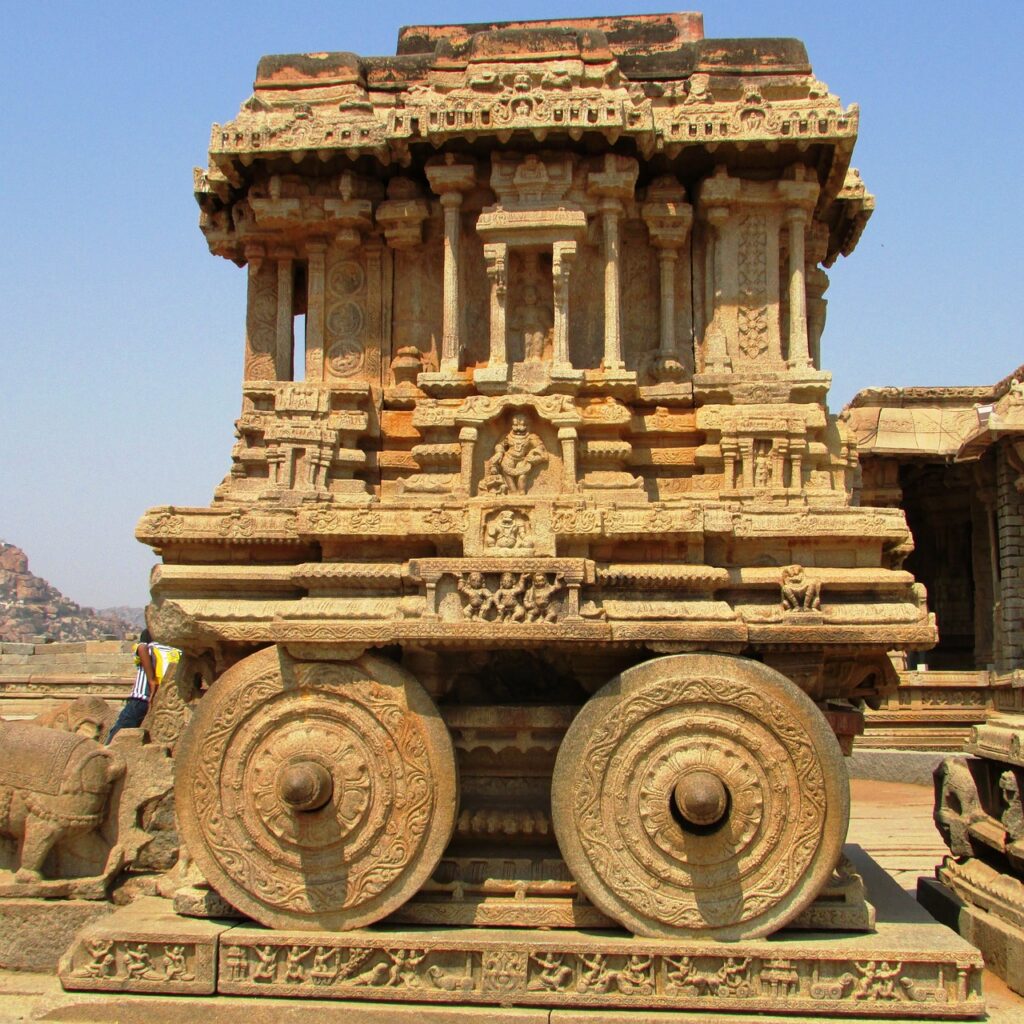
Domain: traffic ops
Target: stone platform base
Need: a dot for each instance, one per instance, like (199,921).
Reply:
(34,933)
(1001,942)
(911,968)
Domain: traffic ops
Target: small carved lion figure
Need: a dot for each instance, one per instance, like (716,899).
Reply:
(799,592)
(515,457)
(538,598)
(476,597)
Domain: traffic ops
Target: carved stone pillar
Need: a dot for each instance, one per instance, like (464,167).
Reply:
(796,465)
(496,371)
(562,256)
(567,436)
(450,180)
(799,353)
(716,349)
(779,457)
(611,212)
(730,454)
(451,340)
(283,350)
(612,184)
(746,447)
(668,217)
(315,309)
(275,460)
(817,284)
(467,441)
(798,191)
(260,319)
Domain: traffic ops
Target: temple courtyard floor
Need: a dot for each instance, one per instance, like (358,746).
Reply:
(891,821)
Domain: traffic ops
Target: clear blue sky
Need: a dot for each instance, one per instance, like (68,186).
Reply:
(122,336)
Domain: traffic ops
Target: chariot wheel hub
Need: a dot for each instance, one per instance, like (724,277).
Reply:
(701,798)
(305,786)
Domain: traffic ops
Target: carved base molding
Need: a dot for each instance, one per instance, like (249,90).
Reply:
(908,971)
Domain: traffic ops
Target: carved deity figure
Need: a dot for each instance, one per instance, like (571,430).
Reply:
(515,457)
(404,962)
(508,598)
(538,598)
(102,963)
(295,968)
(678,972)
(633,976)
(531,176)
(136,961)
(325,965)
(476,597)
(508,531)
(762,467)
(878,980)
(799,592)
(553,974)
(266,968)
(175,966)
(536,322)
(733,976)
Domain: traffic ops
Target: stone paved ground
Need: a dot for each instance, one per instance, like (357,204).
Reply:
(892,821)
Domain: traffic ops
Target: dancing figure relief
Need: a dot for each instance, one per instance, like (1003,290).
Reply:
(516,456)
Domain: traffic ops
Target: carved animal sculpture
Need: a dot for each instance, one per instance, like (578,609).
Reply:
(957,805)
(54,786)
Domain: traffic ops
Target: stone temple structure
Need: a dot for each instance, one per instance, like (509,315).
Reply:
(536,612)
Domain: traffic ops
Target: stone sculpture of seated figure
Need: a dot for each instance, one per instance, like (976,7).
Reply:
(799,593)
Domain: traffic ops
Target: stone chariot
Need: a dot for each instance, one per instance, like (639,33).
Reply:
(537,594)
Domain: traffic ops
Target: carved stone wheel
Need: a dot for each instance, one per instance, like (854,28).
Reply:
(700,795)
(316,795)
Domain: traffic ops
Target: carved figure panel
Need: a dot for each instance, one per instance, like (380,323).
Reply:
(508,531)
(520,461)
(510,597)
(530,317)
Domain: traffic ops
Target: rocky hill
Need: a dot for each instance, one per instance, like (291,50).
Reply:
(30,607)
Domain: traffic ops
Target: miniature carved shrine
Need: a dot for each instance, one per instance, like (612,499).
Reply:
(536,596)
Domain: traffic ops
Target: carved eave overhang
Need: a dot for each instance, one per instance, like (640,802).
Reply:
(651,79)
(1002,420)
(847,215)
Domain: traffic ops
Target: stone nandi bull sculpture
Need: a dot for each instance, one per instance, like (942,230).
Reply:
(54,786)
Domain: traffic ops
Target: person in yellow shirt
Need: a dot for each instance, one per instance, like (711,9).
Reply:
(152,661)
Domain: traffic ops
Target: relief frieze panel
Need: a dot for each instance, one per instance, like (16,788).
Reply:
(644,977)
